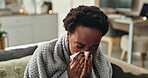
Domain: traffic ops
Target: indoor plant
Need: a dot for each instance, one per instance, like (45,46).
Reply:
(2,38)
(2,32)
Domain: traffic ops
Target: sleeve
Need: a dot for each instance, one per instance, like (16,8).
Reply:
(43,64)
(35,67)
(63,75)
(31,69)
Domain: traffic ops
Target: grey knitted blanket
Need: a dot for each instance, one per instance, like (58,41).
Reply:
(51,60)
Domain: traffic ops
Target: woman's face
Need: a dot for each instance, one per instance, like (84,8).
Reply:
(84,39)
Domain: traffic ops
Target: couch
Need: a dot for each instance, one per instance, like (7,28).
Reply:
(13,61)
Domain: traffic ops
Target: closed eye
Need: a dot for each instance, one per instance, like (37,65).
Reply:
(94,47)
(80,45)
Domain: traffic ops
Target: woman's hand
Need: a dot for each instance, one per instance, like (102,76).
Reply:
(87,66)
(76,66)
(80,66)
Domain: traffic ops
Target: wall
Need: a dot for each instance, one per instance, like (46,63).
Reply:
(62,7)
(29,6)
(82,2)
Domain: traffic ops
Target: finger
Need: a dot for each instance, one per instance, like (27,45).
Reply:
(80,69)
(77,59)
(78,56)
(82,60)
(75,62)
(85,66)
(80,63)
(72,65)
(71,61)
(89,63)
(84,70)
(72,73)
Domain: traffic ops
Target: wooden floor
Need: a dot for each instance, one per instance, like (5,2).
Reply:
(117,52)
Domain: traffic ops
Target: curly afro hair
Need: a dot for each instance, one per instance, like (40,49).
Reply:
(87,16)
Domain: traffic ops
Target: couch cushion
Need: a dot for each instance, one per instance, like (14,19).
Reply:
(123,70)
(14,68)
(16,53)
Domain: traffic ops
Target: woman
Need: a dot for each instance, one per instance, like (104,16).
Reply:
(85,26)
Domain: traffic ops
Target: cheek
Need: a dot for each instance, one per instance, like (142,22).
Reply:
(72,47)
(93,52)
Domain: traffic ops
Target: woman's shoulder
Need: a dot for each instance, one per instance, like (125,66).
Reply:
(47,44)
(45,48)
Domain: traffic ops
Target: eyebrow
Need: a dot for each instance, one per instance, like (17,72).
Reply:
(80,43)
(85,45)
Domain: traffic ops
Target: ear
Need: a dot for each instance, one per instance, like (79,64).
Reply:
(68,34)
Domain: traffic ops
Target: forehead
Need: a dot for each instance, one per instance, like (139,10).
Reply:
(87,35)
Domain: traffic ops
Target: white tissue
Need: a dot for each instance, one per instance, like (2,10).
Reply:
(74,55)
(86,53)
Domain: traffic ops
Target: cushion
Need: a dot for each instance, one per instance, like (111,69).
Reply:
(14,68)
(16,53)
(123,70)
(140,43)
